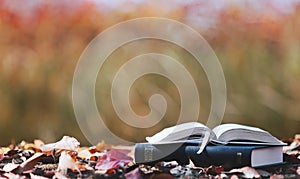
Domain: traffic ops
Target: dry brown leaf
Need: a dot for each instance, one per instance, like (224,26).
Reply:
(294,147)
(1,157)
(214,170)
(222,176)
(134,174)
(26,145)
(33,176)
(297,138)
(84,154)
(4,150)
(65,162)
(13,176)
(112,159)
(277,176)
(247,171)
(93,149)
(67,143)
(30,163)
(38,143)
(234,177)
(263,173)
(10,167)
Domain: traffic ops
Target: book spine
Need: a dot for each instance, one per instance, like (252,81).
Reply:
(146,153)
(227,156)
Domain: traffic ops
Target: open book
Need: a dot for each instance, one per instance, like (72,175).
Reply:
(222,134)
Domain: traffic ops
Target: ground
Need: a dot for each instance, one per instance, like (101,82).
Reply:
(66,159)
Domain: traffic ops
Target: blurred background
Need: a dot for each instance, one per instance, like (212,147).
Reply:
(257,43)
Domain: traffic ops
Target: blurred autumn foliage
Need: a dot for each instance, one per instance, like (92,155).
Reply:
(41,42)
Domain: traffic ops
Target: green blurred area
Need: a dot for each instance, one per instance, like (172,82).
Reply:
(260,59)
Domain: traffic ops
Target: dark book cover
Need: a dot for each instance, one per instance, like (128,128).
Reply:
(229,156)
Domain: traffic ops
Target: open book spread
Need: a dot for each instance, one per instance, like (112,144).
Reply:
(222,134)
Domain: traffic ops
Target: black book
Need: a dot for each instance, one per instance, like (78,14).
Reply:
(229,156)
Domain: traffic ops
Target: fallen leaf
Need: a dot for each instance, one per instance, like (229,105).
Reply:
(30,163)
(92,149)
(83,167)
(234,177)
(215,170)
(294,145)
(112,160)
(13,176)
(84,154)
(65,162)
(297,138)
(67,143)
(222,176)
(134,174)
(38,143)
(263,173)
(115,155)
(4,150)
(107,165)
(101,172)
(275,176)
(247,171)
(33,176)
(26,146)
(10,167)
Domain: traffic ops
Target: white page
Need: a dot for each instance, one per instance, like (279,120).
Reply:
(219,130)
(265,156)
(176,132)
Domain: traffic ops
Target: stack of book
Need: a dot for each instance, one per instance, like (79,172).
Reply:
(230,145)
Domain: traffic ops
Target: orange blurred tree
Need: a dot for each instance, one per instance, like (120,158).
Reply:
(260,59)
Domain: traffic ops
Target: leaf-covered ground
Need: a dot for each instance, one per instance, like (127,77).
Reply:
(66,159)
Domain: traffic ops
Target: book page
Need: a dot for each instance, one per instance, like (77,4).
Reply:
(219,130)
(178,132)
(240,134)
(268,155)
